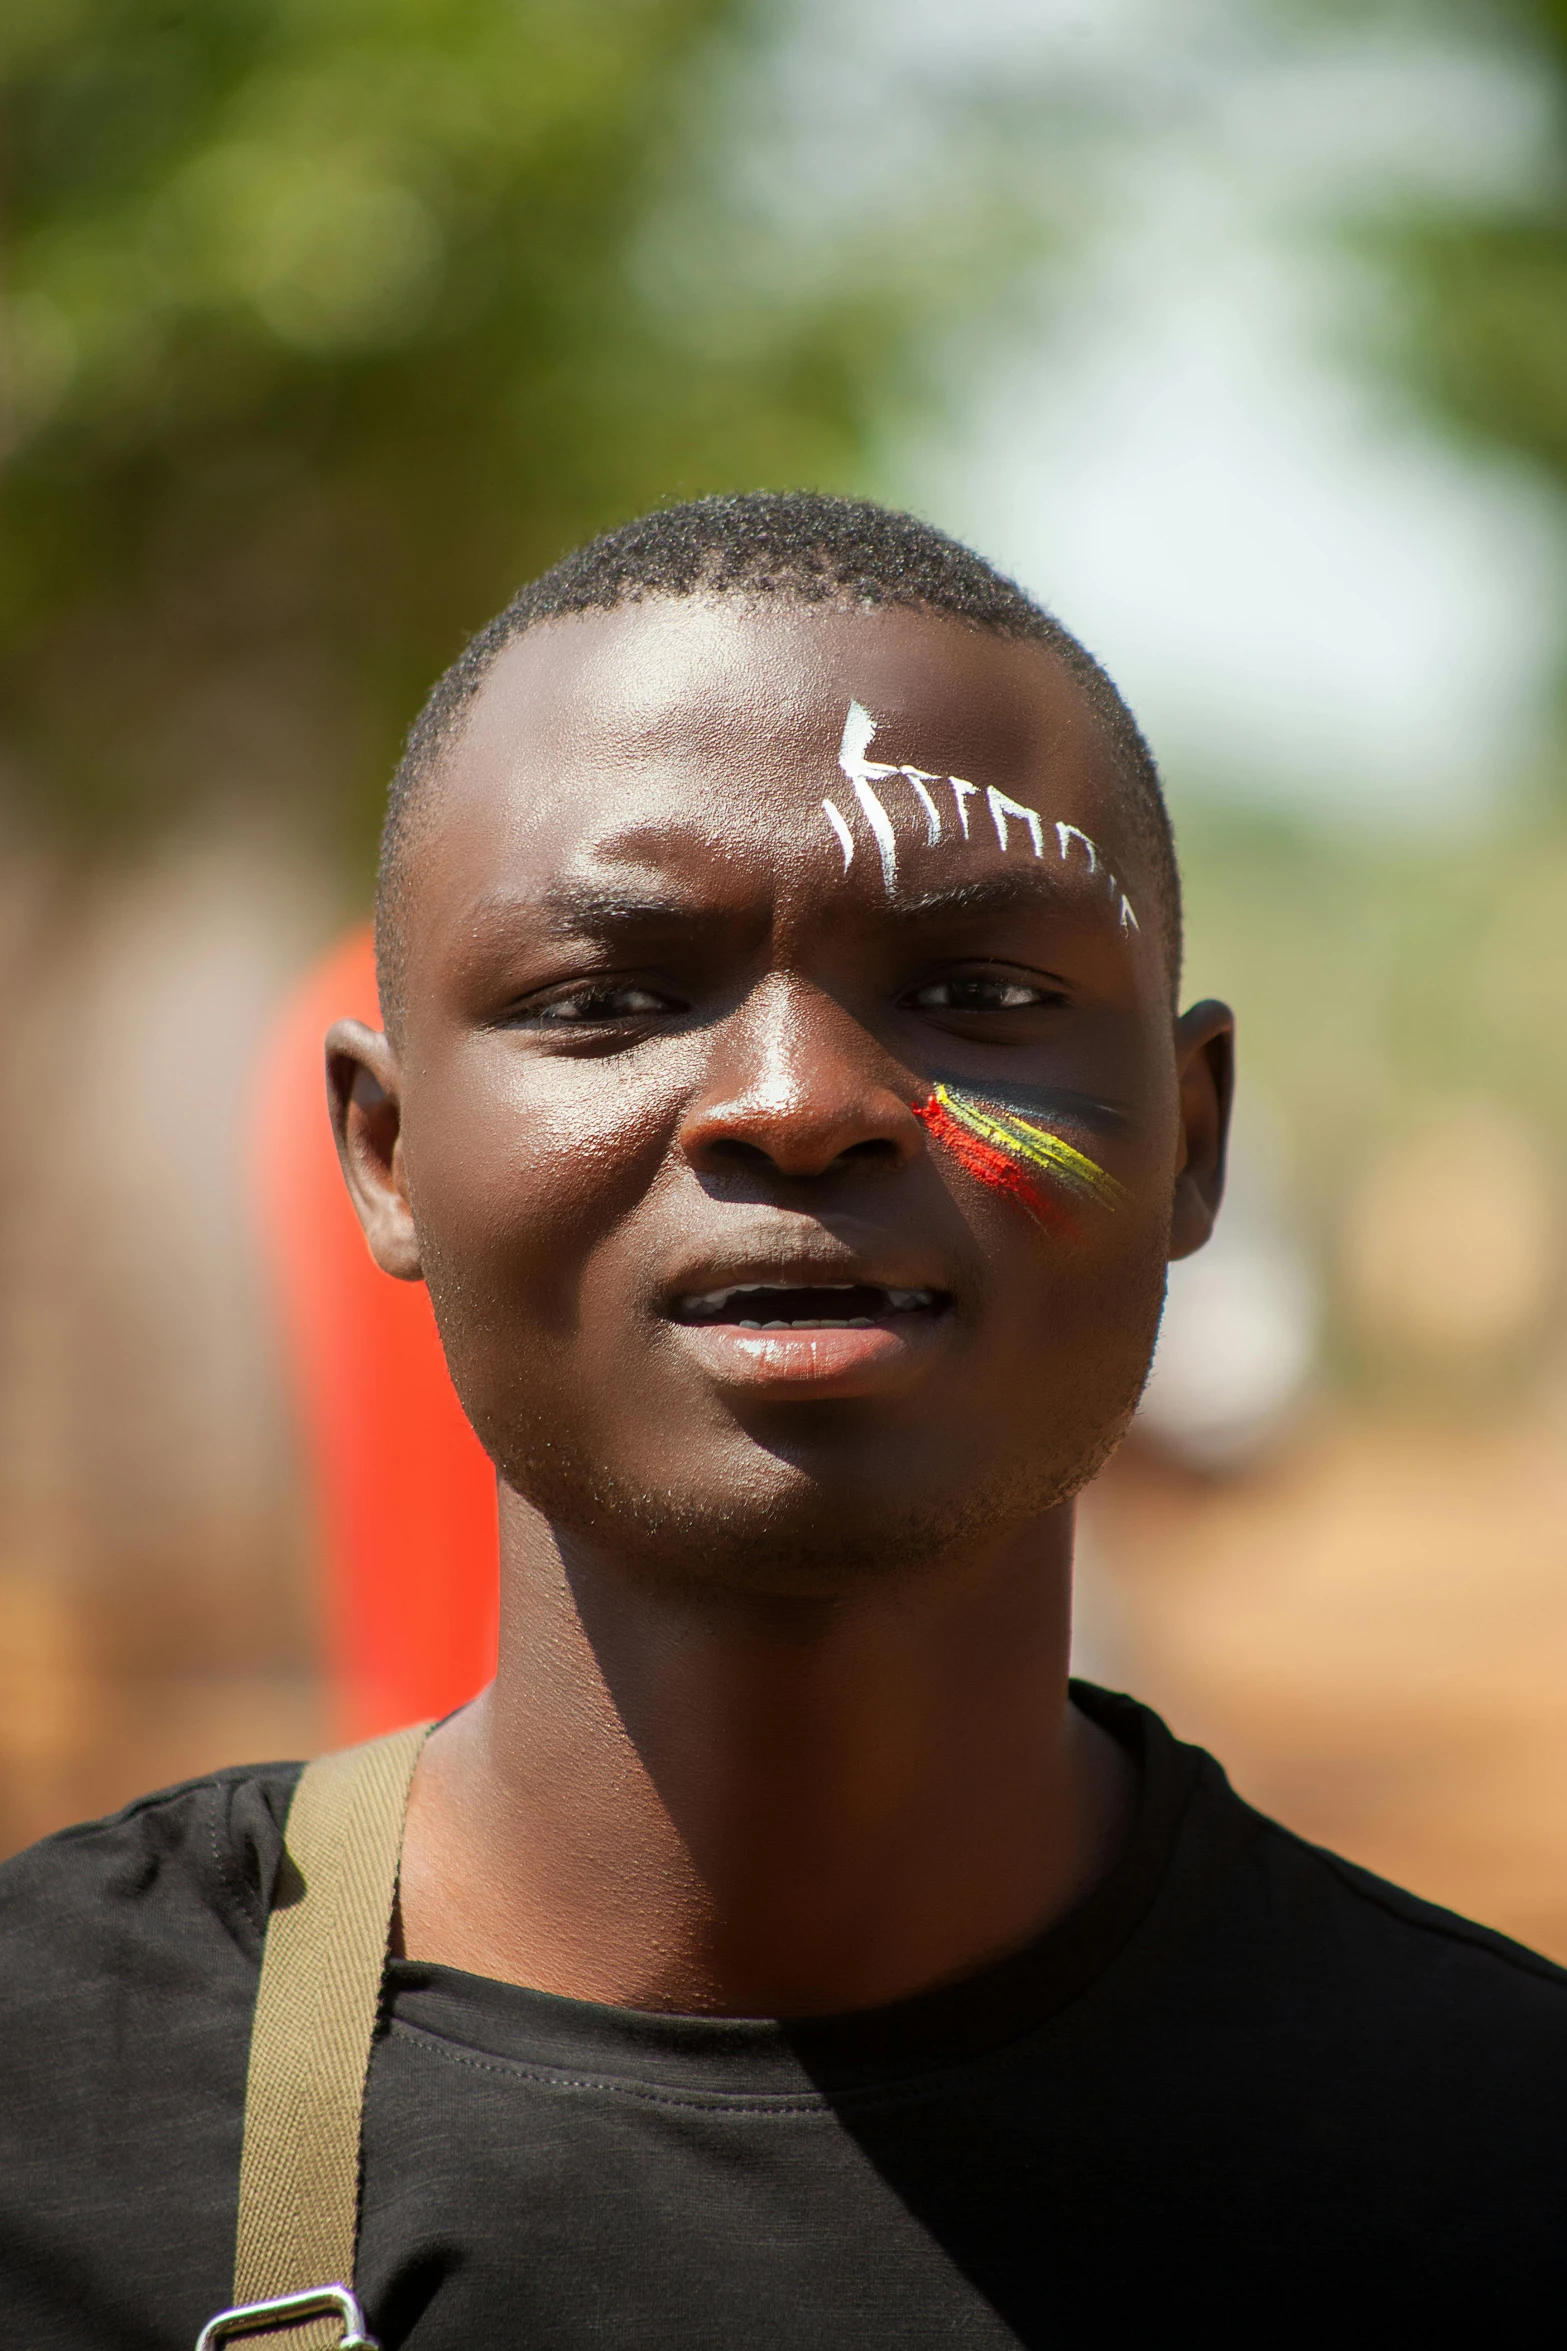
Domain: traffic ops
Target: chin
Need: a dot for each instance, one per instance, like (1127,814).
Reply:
(770,1526)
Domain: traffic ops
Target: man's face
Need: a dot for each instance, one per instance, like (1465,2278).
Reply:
(668,1022)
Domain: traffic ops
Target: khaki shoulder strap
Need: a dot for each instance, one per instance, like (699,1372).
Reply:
(316,2010)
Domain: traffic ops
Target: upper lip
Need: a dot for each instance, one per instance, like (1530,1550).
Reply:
(807,1270)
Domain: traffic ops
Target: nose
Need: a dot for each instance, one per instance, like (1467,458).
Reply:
(796,1085)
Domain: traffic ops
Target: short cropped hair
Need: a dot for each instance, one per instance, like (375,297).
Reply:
(800,544)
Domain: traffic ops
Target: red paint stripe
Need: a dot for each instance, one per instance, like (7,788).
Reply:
(994,1167)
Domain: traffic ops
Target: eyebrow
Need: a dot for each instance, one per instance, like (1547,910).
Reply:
(566,909)
(1001,893)
(582,906)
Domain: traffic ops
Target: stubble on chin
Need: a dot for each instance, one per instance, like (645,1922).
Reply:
(756,1522)
(773,1529)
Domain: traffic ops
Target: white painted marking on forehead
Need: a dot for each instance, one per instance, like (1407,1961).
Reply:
(881,825)
(1001,808)
(920,780)
(859,731)
(840,826)
(858,728)
(1068,833)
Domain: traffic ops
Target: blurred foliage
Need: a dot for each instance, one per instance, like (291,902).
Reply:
(1484,283)
(1383,981)
(1376,970)
(327,322)
(1386,977)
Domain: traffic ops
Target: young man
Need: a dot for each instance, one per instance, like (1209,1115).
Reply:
(783,1097)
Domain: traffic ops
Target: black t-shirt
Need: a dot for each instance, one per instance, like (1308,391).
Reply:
(1246,2092)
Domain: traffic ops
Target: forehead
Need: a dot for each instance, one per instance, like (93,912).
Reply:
(641,734)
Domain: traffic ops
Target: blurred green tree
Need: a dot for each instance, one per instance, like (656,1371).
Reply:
(1483,281)
(325,322)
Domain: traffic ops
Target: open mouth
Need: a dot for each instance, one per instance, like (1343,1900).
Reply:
(823,1306)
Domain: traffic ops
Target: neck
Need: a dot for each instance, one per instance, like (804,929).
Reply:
(755,1806)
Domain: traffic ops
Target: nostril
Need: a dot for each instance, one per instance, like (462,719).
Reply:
(734,1152)
(730,1150)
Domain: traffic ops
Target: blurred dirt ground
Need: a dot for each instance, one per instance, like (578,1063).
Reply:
(1371,1634)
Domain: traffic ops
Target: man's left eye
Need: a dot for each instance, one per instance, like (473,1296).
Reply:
(977,995)
(599,1004)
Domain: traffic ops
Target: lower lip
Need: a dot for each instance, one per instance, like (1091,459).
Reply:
(810,1363)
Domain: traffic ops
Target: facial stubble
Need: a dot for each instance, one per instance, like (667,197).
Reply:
(792,1519)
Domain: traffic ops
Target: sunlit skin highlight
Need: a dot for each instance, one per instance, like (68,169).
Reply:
(788,1411)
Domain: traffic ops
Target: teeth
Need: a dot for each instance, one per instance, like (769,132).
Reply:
(857,1322)
(713,1303)
(710,1301)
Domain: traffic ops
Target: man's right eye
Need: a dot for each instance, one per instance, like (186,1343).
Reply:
(590,1006)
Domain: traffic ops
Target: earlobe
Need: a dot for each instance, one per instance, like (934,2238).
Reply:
(1205,1064)
(363,1089)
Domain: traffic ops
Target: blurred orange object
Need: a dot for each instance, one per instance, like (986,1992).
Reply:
(405,1494)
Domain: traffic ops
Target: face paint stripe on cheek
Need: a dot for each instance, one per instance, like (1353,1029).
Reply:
(1012,1155)
(994,1169)
(1008,1130)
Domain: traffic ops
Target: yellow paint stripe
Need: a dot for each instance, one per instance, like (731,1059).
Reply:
(1024,1140)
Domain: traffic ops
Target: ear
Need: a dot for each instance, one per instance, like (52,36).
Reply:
(1205,1063)
(363,1089)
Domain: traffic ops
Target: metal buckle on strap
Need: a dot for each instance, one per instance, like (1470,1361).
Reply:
(317,2302)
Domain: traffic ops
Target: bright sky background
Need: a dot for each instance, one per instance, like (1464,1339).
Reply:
(1305,592)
